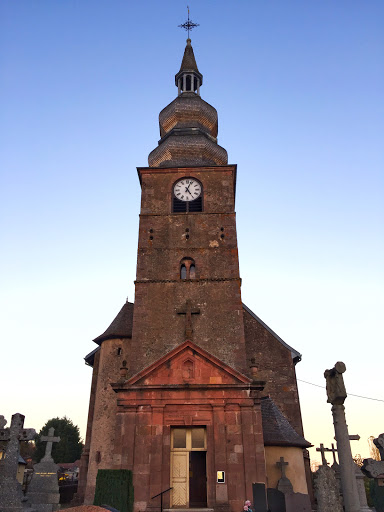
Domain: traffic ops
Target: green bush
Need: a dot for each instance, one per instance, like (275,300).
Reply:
(367,485)
(114,487)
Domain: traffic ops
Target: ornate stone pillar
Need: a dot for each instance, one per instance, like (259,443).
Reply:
(336,395)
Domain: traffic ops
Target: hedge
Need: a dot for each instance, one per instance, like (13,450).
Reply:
(114,487)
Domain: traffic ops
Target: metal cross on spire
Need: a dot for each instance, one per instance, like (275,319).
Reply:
(188,25)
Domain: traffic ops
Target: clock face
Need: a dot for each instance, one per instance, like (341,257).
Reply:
(187,189)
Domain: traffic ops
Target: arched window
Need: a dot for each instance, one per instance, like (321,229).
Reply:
(189,82)
(187,268)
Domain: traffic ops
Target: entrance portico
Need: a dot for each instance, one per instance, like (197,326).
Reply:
(181,421)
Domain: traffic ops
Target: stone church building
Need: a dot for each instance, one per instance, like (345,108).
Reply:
(190,388)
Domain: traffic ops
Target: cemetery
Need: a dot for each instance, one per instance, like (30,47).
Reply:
(341,487)
(194,402)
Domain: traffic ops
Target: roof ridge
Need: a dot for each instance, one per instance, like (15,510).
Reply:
(295,353)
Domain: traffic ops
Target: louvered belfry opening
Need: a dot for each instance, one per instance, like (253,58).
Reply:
(179,206)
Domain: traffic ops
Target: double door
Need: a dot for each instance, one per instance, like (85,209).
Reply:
(188,467)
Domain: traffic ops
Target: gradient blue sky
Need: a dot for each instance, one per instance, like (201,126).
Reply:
(298,86)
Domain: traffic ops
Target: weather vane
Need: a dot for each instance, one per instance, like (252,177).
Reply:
(188,25)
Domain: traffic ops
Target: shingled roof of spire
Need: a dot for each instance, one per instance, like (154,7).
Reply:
(121,327)
(189,62)
(277,430)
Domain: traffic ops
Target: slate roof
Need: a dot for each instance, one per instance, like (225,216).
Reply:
(189,62)
(90,358)
(121,327)
(277,430)
(296,356)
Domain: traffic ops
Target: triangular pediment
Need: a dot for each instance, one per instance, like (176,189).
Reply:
(188,364)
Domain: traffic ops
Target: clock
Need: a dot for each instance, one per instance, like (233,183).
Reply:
(187,189)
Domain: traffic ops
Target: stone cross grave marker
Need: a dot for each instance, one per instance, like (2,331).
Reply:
(43,491)
(284,484)
(281,463)
(50,439)
(322,450)
(334,451)
(11,495)
(188,311)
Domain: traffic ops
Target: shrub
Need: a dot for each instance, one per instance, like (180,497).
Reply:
(114,487)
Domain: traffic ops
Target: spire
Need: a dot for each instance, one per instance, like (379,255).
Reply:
(188,125)
(188,79)
(189,62)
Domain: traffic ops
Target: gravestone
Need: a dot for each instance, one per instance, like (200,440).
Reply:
(276,501)
(259,498)
(297,502)
(294,501)
(361,490)
(375,469)
(11,494)
(284,485)
(327,490)
(43,491)
(379,443)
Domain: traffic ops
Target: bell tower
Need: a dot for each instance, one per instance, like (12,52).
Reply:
(188,283)
(180,376)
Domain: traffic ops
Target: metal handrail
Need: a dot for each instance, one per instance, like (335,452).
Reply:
(161,497)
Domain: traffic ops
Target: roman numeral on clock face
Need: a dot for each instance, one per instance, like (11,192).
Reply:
(187,189)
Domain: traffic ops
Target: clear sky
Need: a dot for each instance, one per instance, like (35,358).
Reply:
(298,86)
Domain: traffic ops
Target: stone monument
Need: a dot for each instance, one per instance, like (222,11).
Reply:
(337,394)
(43,490)
(293,501)
(361,490)
(11,494)
(284,485)
(375,469)
(327,490)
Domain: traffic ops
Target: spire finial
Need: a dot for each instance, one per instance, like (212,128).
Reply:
(189,25)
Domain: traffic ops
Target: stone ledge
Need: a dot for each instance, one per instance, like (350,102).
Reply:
(209,279)
(86,508)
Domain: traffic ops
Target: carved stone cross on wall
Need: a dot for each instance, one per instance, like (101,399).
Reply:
(282,465)
(50,439)
(188,311)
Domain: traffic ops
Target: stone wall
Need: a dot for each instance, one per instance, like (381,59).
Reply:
(209,238)
(276,367)
(104,415)
(295,471)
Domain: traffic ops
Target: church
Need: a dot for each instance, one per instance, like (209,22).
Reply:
(191,390)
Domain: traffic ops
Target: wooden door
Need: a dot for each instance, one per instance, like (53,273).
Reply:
(179,479)
(188,467)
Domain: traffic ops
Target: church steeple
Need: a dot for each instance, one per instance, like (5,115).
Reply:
(188,79)
(188,125)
